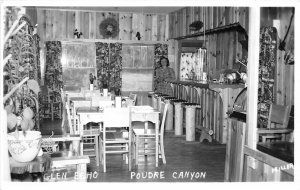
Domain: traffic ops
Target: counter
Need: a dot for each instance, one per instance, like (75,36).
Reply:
(216,99)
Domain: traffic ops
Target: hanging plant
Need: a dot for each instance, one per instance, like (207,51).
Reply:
(109,28)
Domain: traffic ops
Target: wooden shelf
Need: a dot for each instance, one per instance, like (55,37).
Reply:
(138,68)
(125,42)
(234,26)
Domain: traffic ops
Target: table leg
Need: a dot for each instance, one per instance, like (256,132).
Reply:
(156,143)
(81,142)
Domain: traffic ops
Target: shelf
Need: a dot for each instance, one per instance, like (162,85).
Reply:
(137,68)
(124,42)
(235,26)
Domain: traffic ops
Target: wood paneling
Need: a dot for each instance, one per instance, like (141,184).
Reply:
(223,48)
(60,25)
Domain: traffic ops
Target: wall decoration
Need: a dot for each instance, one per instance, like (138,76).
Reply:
(109,28)
(159,51)
(267,70)
(77,34)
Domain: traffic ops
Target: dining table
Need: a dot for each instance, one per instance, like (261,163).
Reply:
(138,113)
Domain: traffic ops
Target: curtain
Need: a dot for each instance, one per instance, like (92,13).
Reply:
(36,39)
(267,66)
(53,77)
(159,51)
(109,66)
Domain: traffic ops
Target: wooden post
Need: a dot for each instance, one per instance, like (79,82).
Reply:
(252,80)
(252,91)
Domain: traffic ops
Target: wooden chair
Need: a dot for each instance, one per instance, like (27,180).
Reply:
(131,101)
(277,123)
(50,107)
(114,141)
(142,137)
(90,139)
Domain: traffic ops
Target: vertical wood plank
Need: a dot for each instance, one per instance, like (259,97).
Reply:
(180,23)
(161,27)
(167,28)
(287,86)
(125,20)
(53,25)
(200,15)
(136,21)
(218,52)
(247,19)
(85,26)
(71,15)
(171,25)
(148,27)
(227,15)
(280,78)
(184,22)
(190,19)
(154,27)
(115,16)
(213,55)
(227,49)
(64,25)
(77,20)
(223,49)
(100,16)
(215,17)
(93,26)
(41,29)
(48,27)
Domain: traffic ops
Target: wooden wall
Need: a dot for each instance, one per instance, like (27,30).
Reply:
(222,48)
(284,73)
(212,17)
(60,24)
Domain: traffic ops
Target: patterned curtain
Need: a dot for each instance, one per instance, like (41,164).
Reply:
(53,76)
(36,39)
(267,70)
(109,66)
(159,50)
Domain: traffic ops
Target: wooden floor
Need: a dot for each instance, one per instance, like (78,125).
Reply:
(186,162)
